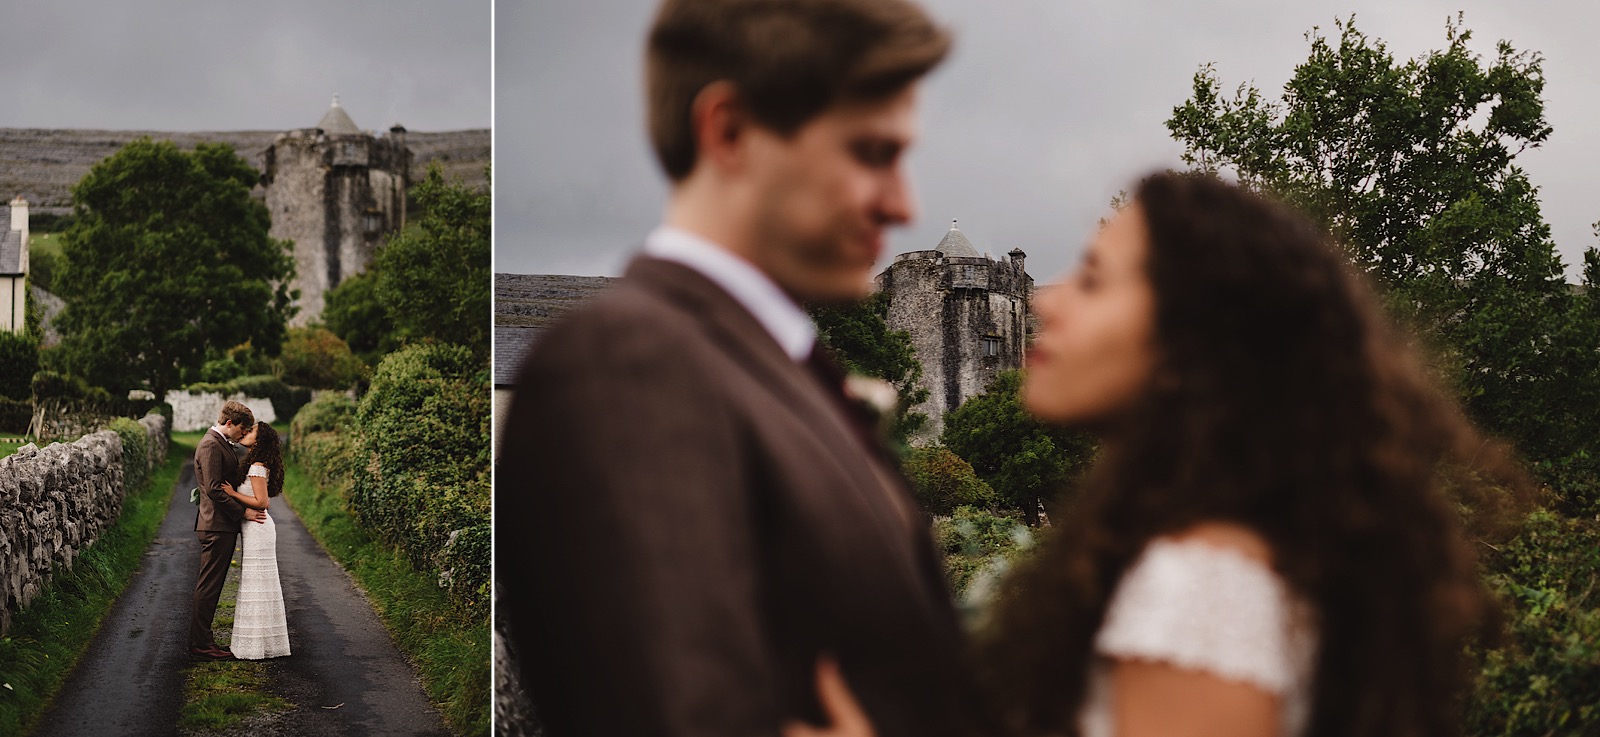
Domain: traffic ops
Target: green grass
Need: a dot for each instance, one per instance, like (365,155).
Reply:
(49,636)
(219,695)
(451,653)
(9,448)
(41,242)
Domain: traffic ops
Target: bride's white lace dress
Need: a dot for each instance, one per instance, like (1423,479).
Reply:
(260,629)
(1197,606)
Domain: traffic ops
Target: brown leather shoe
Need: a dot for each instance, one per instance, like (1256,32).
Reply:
(210,653)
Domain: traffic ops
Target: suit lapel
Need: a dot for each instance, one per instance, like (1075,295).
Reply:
(749,343)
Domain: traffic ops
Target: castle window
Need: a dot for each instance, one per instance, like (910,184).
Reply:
(991,346)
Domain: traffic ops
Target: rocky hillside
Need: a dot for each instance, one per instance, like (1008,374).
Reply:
(524,305)
(43,164)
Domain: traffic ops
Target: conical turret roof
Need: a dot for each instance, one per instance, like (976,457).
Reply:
(336,122)
(956,244)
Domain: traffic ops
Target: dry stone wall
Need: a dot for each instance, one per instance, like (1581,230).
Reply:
(56,501)
(196,411)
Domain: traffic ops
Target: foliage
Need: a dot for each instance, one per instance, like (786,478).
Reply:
(1546,678)
(15,416)
(354,313)
(19,361)
(1411,166)
(220,371)
(286,400)
(42,268)
(452,651)
(942,481)
(1022,459)
(317,358)
(861,340)
(425,486)
(168,260)
(56,385)
(979,547)
(48,637)
(434,283)
(135,451)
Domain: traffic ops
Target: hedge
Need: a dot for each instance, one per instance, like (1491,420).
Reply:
(413,460)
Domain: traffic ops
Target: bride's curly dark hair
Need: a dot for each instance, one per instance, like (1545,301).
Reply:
(1283,401)
(268,451)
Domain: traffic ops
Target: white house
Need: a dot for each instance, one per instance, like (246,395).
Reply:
(14,266)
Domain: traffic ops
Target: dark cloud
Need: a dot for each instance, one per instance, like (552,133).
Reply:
(197,65)
(1044,112)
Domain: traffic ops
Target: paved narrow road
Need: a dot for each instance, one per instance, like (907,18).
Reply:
(130,681)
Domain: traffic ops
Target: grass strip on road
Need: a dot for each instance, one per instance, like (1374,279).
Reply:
(452,653)
(50,635)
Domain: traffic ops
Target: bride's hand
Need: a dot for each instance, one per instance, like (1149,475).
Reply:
(228,487)
(845,717)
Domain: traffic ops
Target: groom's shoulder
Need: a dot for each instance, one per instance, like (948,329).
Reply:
(627,320)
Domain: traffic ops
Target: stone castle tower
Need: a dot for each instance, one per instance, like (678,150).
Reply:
(335,191)
(967,315)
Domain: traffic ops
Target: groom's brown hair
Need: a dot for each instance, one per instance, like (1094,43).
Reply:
(789,60)
(236,413)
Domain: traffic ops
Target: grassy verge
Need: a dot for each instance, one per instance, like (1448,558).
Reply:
(50,635)
(452,654)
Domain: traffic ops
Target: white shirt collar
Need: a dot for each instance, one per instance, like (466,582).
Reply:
(789,325)
(218,430)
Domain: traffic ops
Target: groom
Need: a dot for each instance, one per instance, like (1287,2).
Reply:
(217,521)
(690,512)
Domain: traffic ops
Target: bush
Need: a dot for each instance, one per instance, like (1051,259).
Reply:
(15,416)
(424,486)
(979,547)
(19,361)
(135,452)
(942,481)
(317,358)
(220,371)
(1546,678)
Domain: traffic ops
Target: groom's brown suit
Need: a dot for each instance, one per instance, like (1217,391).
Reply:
(686,519)
(216,524)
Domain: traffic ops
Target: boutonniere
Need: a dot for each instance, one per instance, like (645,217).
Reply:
(876,396)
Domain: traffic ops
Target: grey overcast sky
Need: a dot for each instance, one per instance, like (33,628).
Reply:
(1045,110)
(202,65)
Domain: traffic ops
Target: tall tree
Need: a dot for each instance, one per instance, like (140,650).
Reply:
(168,259)
(1025,461)
(1411,165)
(434,282)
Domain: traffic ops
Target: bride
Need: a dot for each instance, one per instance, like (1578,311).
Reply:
(1269,544)
(260,629)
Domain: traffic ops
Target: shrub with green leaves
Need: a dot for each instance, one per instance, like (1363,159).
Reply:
(1545,679)
(942,481)
(19,361)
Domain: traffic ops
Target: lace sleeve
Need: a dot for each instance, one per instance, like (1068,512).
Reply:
(1202,607)
(257,469)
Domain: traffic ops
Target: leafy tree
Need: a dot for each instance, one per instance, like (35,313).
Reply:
(317,358)
(1022,459)
(434,283)
(354,313)
(860,338)
(166,262)
(19,361)
(1411,165)
(942,481)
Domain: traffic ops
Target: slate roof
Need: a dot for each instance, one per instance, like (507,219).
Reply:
(956,244)
(337,122)
(10,245)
